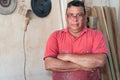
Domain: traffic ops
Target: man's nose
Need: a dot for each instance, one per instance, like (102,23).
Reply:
(75,18)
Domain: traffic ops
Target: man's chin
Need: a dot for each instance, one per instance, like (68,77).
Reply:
(75,27)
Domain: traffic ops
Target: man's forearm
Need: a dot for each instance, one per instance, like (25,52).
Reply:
(86,60)
(54,64)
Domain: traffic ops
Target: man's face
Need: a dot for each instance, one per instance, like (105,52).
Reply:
(75,18)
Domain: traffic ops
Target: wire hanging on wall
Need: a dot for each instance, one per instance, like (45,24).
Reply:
(24,48)
(28,17)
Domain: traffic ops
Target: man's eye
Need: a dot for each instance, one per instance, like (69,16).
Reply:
(70,15)
(79,15)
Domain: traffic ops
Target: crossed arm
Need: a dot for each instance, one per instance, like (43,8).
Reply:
(73,62)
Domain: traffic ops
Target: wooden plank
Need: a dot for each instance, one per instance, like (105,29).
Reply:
(112,42)
(116,31)
(117,34)
(119,27)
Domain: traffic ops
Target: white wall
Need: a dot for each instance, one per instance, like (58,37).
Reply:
(11,43)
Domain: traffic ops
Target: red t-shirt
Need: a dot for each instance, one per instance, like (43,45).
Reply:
(89,42)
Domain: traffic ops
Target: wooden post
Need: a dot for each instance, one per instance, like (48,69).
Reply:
(103,26)
(112,41)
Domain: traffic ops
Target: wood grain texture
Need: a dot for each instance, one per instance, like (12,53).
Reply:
(112,40)
(102,24)
(116,34)
(116,30)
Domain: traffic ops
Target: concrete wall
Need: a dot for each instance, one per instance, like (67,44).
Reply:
(11,42)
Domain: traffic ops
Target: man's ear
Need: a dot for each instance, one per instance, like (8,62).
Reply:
(66,17)
(85,19)
(85,16)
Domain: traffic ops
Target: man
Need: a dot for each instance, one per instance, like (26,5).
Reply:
(77,52)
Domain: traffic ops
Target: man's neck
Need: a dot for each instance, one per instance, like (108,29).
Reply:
(75,33)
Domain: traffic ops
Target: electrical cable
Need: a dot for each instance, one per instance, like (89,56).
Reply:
(27,20)
(24,35)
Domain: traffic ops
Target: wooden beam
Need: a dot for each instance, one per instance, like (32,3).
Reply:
(116,33)
(103,26)
(112,40)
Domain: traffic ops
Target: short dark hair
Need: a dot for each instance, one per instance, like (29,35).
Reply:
(76,3)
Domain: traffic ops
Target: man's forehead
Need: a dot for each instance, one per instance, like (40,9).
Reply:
(73,9)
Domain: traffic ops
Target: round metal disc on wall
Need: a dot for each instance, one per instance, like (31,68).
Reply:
(7,6)
(41,7)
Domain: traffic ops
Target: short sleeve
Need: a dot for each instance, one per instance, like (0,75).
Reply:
(99,43)
(51,46)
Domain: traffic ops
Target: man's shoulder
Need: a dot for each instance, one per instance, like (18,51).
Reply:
(94,31)
(60,31)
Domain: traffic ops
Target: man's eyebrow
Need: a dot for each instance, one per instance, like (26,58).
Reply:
(77,13)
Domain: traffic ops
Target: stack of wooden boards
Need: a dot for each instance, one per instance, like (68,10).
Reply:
(107,23)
